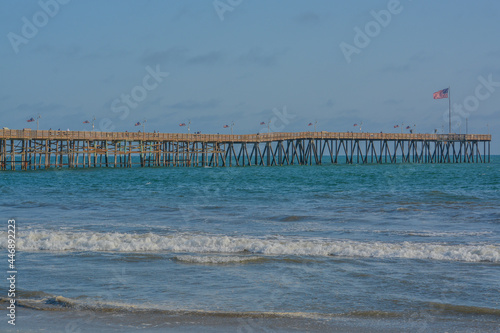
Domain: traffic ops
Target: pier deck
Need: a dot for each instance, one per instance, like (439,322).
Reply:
(29,149)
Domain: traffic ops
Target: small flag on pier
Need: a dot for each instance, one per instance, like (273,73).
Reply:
(396,126)
(137,124)
(408,127)
(262,123)
(355,125)
(441,94)
(182,124)
(226,126)
(86,122)
(310,124)
(31,120)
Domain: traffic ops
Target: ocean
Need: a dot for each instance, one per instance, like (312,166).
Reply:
(351,248)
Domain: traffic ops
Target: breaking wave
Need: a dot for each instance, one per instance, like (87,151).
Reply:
(61,241)
(217,260)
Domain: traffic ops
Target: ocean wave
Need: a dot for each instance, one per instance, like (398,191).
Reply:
(61,303)
(293,218)
(464,309)
(217,260)
(430,233)
(62,241)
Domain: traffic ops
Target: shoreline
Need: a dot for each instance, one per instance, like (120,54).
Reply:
(88,321)
(107,320)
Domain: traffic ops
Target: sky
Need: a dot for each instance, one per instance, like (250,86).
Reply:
(286,63)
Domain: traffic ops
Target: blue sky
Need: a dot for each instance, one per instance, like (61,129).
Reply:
(250,61)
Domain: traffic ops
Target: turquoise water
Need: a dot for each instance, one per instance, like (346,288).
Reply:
(419,242)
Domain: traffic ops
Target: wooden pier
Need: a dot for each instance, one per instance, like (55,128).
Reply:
(28,149)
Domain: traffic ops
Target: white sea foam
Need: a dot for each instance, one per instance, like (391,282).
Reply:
(43,240)
(216,259)
(430,233)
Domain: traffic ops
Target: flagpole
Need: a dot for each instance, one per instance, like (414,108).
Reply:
(449,110)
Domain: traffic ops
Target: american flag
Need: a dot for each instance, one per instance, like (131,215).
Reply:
(310,124)
(31,120)
(86,122)
(355,125)
(408,127)
(226,126)
(396,126)
(441,94)
(137,124)
(182,124)
(262,123)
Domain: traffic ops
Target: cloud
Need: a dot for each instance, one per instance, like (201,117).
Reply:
(68,51)
(348,114)
(420,58)
(43,48)
(413,63)
(255,56)
(195,105)
(172,55)
(307,18)
(205,59)
(181,56)
(74,51)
